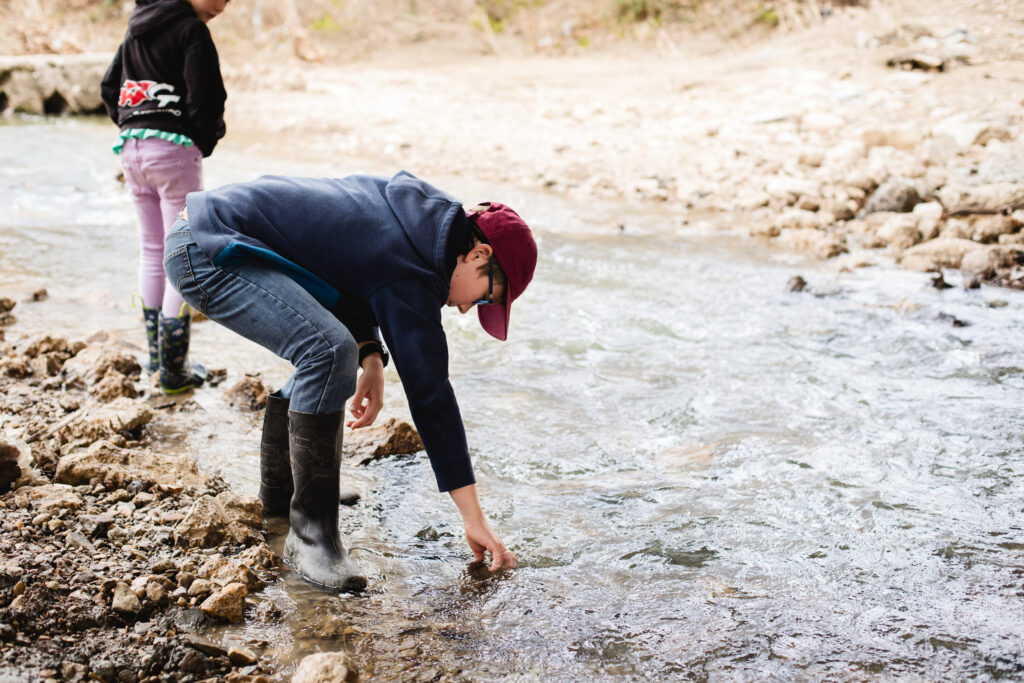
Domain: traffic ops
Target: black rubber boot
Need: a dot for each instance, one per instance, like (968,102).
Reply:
(151,319)
(276,486)
(313,547)
(176,375)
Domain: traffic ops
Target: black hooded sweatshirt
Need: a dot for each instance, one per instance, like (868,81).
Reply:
(166,75)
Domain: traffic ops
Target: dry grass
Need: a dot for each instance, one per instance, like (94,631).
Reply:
(348,28)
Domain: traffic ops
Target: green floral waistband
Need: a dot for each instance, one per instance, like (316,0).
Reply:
(146,133)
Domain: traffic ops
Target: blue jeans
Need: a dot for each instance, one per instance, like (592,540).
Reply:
(268,307)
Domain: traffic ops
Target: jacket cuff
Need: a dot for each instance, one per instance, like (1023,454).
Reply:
(449,481)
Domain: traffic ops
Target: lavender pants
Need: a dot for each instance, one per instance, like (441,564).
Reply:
(159,174)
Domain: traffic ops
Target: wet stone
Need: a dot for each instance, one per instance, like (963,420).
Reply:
(241,656)
(248,394)
(204,645)
(226,604)
(394,437)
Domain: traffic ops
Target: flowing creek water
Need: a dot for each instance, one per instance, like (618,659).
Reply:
(702,473)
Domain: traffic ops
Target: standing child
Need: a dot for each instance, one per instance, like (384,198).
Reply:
(164,90)
(316,270)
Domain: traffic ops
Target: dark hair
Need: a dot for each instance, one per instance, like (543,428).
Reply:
(475,236)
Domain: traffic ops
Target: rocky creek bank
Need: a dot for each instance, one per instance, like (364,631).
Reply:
(52,84)
(117,558)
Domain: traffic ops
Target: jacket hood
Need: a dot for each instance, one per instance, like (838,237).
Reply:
(150,15)
(426,215)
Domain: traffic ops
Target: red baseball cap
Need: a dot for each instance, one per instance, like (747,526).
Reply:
(516,251)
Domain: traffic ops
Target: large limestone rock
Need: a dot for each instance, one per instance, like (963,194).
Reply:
(821,244)
(228,517)
(944,252)
(988,259)
(99,359)
(53,84)
(960,197)
(118,466)
(220,572)
(121,416)
(48,497)
(988,228)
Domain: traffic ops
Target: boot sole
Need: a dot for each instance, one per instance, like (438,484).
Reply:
(353,584)
(175,392)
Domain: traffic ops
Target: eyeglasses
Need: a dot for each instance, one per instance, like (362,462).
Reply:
(490,284)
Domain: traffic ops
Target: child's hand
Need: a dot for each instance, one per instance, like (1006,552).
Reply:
(481,537)
(369,397)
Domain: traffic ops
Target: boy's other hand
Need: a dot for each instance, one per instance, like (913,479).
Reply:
(369,397)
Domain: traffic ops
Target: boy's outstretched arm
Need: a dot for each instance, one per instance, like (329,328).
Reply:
(479,533)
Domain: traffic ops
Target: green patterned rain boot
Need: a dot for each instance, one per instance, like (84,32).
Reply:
(151,318)
(176,375)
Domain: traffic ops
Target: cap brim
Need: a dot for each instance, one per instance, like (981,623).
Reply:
(494,319)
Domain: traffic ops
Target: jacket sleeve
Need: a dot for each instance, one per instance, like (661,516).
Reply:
(110,87)
(205,94)
(410,320)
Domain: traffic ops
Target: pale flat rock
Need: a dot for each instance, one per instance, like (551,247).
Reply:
(47,497)
(324,667)
(943,252)
(119,466)
(821,244)
(227,517)
(960,197)
(120,416)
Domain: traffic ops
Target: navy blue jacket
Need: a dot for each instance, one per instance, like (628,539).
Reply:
(377,252)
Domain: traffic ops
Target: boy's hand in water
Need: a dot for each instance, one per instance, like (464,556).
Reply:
(479,534)
(481,537)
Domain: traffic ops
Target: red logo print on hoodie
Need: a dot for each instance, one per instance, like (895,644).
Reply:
(134,93)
